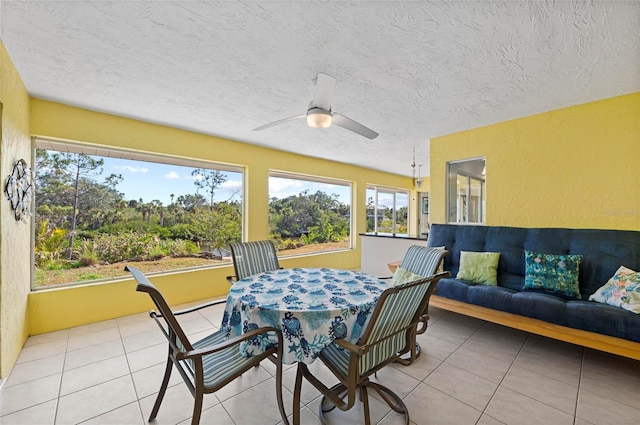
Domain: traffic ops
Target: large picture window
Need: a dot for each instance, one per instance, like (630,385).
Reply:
(97,208)
(308,214)
(387,211)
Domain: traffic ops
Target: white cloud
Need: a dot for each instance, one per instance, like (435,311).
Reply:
(278,185)
(231,185)
(172,175)
(131,169)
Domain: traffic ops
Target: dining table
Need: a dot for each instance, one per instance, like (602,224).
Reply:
(311,306)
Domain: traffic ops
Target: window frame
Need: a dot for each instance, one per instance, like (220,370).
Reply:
(394,191)
(469,176)
(98,150)
(323,180)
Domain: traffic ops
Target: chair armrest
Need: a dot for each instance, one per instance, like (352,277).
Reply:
(232,279)
(154,313)
(229,343)
(356,349)
(196,308)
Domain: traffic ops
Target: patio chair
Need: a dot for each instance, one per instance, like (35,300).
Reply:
(210,363)
(389,334)
(421,261)
(254,257)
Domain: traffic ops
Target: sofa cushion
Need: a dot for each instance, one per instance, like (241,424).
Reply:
(479,267)
(494,297)
(547,307)
(604,319)
(622,290)
(554,273)
(453,289)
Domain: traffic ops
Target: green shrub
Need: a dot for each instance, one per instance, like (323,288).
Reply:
(86,252)
(179,248)
(288,243)
(89,276)
(124,246)
(62,265)
(131,246)
(49,244)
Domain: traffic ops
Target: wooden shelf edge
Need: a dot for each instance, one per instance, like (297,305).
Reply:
(609,344)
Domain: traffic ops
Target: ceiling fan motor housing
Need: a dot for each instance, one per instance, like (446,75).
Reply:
(319,117)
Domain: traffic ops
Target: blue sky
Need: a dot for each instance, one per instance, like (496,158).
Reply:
(153,181)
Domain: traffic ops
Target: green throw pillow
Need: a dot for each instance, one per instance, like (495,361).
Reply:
(479,267)
(403,276)
(554,273)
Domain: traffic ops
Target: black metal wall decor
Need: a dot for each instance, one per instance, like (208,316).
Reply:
(19,189)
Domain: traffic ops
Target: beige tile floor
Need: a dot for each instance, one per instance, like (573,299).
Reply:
(471,372)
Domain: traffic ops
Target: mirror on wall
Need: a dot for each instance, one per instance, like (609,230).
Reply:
(466,191)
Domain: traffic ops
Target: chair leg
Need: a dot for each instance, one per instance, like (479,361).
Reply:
(197,407)
(163,389)
(296,396)
(283,413)
(364,396)
(392,399)
(409,357)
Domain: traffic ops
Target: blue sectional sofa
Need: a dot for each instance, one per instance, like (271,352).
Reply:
(582,322)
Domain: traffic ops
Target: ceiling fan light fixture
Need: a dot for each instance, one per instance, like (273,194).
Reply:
(319,118)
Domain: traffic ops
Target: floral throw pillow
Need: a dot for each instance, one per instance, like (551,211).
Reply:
(622,290)
(554,273)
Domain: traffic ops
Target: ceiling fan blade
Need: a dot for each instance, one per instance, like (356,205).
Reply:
(324,91)
(356,127)
(271,124)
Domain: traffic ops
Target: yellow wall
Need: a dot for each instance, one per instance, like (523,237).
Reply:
(575,167)
(15,237)
(64,307)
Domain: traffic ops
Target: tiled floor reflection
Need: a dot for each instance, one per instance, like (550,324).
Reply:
(471,372)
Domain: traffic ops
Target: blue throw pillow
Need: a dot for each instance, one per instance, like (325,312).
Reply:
(554,273)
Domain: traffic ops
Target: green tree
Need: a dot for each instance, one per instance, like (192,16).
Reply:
(319,217)
(70,179)
(209,181)
(190,202)
(218,226)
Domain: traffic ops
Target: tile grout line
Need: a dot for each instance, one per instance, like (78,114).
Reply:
(504,376)
(135,389)
(64,361)
(444,361)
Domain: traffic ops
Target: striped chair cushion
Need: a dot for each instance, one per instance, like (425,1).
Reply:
(221,365)
(422,260)
(254,257)
(397,312)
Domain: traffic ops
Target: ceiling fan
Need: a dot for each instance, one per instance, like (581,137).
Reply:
(319,113)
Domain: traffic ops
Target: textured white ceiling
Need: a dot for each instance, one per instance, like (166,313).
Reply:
(409,70)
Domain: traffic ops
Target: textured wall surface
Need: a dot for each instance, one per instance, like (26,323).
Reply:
(574,167)
(15,237)
(411,70)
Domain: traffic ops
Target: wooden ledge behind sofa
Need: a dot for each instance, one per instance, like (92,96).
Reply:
(610,344)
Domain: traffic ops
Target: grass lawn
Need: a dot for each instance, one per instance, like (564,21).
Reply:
(45,277)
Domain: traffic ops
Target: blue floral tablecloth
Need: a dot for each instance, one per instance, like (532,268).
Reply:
(312,307)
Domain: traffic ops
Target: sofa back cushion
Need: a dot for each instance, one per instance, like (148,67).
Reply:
(603,251)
